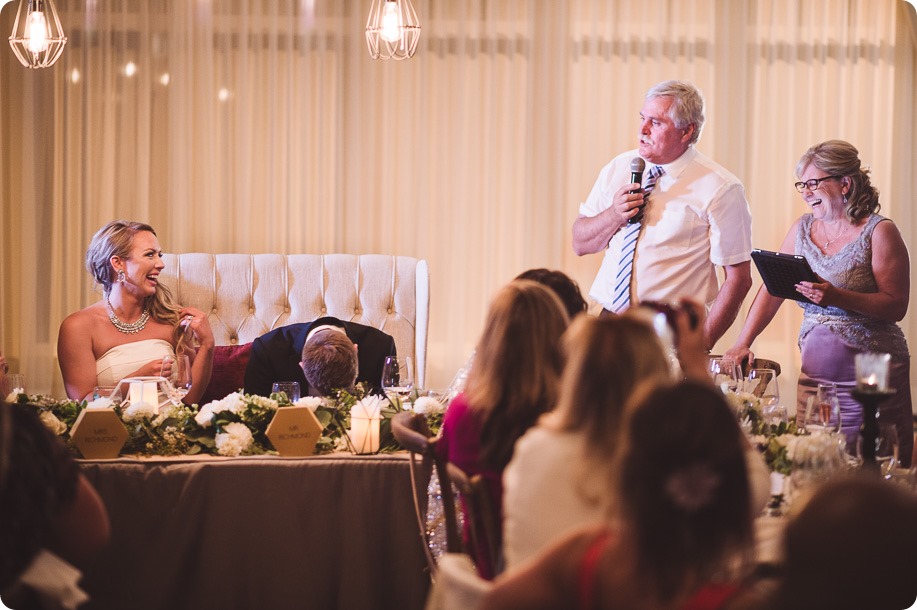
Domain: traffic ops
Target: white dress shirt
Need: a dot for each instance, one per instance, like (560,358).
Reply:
(696,218)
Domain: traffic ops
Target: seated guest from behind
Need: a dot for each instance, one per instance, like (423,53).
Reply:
(852,545)
(48,511)
(279,354)
(136,329)
(563,286)
(329,361)
(555,482)
(680,535)
(514,379)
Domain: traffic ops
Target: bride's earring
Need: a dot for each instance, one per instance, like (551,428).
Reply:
(121,277)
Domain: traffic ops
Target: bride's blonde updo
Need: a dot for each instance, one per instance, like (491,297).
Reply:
(116,239)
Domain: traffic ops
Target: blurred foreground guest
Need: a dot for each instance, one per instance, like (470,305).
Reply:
(563,286)
(136,329)
(864,287)
(51,518)
(852,546)
(515,378)
(682,531)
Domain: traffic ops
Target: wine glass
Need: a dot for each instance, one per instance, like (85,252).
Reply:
(180,378)
(823,413)
(724,370)
(398,376)
(290,388)
(762,383)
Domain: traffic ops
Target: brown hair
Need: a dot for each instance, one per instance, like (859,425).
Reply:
(606,359)
(840,158)
(682,488)
(518,361)
(329,360)
(563,286)
(116,239)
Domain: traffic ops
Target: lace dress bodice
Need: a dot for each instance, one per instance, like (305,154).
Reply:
(850,268)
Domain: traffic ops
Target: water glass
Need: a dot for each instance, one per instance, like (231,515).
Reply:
(724,371)
(398,376)
(763,384)
(290,388)
(102,391)
(886,449)
(14,381)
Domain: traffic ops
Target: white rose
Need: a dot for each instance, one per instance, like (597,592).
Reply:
(264,402)
(313,402)
(426,405)
(14,395)
(103,402)
(234,440)
(139,410)
(204,417)
(52,423)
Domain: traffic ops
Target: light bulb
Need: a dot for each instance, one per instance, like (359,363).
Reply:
(391,22)
(37,32)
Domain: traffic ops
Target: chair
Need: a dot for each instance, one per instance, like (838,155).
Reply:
(763,363)
(481,516)
(412,432)
(458,586)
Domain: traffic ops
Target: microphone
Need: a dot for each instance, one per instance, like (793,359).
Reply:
(637,165)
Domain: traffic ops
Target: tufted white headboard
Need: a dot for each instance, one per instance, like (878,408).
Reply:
(247,295)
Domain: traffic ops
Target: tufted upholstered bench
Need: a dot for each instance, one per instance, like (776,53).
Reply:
(247,295)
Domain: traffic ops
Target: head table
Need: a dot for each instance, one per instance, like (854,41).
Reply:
(332,531)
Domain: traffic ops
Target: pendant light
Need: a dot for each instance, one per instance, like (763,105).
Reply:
(392,30)
(38,38)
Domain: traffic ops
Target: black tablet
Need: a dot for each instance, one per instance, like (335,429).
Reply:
(781,272)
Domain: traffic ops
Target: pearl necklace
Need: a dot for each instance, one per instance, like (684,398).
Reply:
(828,242)
(128,328)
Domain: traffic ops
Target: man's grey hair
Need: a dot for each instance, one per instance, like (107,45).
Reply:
(688,106)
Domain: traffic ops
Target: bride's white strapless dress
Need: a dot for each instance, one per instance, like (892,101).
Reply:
(122,360)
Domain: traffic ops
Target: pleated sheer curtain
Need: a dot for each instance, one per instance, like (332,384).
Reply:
(264,126)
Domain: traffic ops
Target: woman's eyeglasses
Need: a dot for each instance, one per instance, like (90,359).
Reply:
(812,184)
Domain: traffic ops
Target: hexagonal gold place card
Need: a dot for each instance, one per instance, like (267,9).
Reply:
(294,431)
(98,434)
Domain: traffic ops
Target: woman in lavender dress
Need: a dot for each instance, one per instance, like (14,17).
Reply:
(865,271)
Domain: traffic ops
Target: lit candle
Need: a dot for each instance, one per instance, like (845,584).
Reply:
(365,423)
(872,372)
(136,392)
(151,393)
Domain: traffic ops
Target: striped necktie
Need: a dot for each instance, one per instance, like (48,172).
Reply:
(629,247)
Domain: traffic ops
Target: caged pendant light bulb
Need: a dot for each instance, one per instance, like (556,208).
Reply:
(38,38)
(392,30)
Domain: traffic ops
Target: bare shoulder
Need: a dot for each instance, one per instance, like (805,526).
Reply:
(84,320)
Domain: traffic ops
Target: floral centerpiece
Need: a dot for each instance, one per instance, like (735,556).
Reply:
(234,425)
(788,451)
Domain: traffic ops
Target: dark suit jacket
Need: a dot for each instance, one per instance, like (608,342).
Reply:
(276,355)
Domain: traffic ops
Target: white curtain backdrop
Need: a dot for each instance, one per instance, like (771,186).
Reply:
(264,126)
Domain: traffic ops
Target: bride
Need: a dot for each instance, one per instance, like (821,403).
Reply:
(136,329)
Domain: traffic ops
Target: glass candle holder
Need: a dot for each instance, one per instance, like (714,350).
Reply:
(872,372)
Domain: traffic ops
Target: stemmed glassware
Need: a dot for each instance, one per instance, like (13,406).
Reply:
(398,376)
(824,412)
(180,378)
(725,370)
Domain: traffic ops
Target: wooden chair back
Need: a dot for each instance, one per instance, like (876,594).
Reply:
(481,516)
(412,433)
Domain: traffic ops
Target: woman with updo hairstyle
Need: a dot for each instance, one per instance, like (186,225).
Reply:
(136,329)
(680,534)
(862,290)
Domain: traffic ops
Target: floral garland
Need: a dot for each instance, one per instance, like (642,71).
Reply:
(234,425)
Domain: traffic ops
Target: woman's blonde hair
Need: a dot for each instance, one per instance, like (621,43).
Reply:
(517,367)
(607,358)
(117,239)
(842,159)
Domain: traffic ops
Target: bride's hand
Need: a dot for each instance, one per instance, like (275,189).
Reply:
(198,324)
